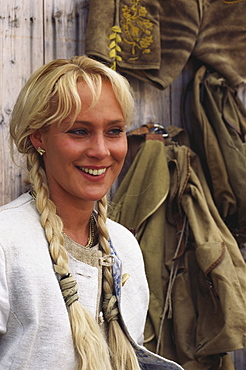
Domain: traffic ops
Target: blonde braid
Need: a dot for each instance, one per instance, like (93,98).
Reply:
(88,339)
(123,355)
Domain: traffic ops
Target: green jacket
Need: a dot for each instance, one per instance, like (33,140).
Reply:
(195,271)
(218,136)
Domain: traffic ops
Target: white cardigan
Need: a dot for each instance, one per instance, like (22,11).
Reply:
(35,331)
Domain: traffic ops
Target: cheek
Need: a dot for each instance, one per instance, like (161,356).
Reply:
(121,151)
(64,149)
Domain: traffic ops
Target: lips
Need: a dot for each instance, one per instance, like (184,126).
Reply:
(93,172)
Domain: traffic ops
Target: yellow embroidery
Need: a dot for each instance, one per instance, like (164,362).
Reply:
(115,38)
(137,29)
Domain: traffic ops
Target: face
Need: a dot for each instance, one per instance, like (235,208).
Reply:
(83,161)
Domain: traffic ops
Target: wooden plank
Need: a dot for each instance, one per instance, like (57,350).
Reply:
(239,359)
(82,10)
(48,29)
(22,51)
(62,34)
(62,11)
(152,105)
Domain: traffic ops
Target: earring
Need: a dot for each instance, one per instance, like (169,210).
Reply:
(40,151)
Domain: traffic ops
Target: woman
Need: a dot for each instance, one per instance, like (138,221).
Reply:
(73,288)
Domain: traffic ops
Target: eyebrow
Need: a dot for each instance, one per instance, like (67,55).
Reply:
(108,123)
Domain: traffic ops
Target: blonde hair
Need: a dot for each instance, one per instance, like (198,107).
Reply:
(50,96)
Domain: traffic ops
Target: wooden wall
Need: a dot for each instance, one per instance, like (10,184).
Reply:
(33,32)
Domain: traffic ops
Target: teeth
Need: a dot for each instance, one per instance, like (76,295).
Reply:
(93,172)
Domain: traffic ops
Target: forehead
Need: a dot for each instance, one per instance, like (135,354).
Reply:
(95,91)
(104,101)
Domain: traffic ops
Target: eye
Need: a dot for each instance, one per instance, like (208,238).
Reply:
(116,131)
(78,132)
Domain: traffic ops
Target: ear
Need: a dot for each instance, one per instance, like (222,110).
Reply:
(37,139)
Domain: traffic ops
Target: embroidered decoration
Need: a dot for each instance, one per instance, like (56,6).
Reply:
(137,29)
(115,38)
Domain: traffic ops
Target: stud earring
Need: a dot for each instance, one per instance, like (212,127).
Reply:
(40,151)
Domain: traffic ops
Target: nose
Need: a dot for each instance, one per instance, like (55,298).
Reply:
(98,147)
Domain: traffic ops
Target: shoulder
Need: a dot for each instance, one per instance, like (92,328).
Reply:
(22,201)
(123,240)
(117,229)
(20,215)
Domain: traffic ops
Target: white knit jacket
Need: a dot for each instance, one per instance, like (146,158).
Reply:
(34,325)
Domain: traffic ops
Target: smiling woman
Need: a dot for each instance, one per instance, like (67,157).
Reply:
(69,260)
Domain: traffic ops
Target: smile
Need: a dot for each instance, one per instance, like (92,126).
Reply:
(93,172)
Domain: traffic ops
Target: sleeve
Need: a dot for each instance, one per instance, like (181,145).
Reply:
(4,295)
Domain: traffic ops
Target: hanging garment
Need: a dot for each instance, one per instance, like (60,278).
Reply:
(153,39)
(194,268)
(218,135)
(151,131)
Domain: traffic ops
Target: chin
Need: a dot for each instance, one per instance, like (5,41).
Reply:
(95,197)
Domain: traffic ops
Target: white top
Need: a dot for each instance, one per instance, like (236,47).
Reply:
(34,325)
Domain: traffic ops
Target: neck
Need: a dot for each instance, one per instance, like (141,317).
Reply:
(76,219)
